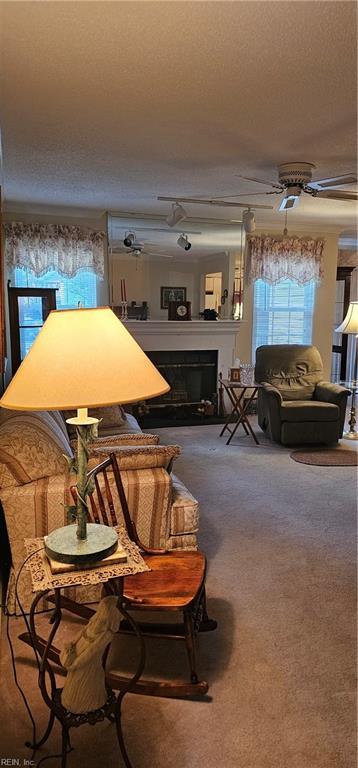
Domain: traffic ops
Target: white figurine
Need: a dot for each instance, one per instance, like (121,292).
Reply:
(84,689)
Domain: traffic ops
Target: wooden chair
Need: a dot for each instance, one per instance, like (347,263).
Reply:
(175,582)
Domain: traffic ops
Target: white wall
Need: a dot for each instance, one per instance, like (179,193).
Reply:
(145,278)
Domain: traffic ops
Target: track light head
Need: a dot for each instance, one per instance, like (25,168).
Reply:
(248,220)
(129,240)
(177,214)
(183,242)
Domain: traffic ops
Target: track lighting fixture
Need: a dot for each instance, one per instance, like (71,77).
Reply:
(129,240)
(183,242)
(248,220)
(177,214)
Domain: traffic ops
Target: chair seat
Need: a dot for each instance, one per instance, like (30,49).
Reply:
(309,410)
(173,582)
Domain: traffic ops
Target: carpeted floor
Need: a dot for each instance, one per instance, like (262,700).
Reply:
(280,539)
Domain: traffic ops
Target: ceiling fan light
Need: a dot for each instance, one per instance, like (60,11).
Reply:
(177,214)
(289,201)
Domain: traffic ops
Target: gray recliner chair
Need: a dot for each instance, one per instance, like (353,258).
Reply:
(295,405)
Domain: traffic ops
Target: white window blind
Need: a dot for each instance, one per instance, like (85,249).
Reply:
(282,313)
(71,291)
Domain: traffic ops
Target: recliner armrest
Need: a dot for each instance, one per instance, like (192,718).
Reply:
(269,401)
(331,393)
(272,392)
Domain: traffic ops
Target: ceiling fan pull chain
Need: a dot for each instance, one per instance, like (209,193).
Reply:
(285,231)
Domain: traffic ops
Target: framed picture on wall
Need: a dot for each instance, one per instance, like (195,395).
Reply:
(170,293)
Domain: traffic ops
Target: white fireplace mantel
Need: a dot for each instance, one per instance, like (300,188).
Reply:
(158,335)
(184,327)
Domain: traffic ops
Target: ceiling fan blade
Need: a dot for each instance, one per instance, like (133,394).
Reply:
(221,202)
(118,252)
(162,255)
(336,194)
(248,194)
(260,181)
(336,181)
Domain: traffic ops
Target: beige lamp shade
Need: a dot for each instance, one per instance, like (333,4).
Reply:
(83,358)
(350,322)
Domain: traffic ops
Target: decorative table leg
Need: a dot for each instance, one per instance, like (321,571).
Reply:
(190,645)
(37,744)
(129,685)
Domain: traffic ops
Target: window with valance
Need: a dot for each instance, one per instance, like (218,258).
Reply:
(67,258)
(273,259)
(61,248)
(285,271)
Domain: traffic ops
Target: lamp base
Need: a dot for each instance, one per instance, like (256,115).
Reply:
(350,435)
(64,546)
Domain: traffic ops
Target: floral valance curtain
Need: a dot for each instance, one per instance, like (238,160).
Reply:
(43,247)
(295,258)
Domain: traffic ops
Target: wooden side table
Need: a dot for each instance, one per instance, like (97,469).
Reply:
(236,394)
(44,583)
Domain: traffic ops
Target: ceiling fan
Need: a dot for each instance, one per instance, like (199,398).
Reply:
(137,250)
(293,179)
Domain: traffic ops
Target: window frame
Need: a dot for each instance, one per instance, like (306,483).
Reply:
(48,296)
(271,310)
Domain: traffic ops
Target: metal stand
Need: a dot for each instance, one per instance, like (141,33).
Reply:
(46,651)
(88,543)
(352,434)
(353,385)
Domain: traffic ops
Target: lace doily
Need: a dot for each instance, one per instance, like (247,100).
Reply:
(42,577)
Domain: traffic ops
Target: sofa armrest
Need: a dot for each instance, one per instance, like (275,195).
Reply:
(32,510)
(135,439)
(141,456)
(328,392)
(184,513)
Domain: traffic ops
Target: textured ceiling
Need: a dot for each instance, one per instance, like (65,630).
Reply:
(107,105)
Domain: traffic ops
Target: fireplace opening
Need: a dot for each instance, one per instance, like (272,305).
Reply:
(192,399)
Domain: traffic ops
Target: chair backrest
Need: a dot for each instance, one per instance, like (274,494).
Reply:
(108,497)
(294,369)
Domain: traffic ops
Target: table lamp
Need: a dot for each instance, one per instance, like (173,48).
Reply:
(350,326)
(82,358)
